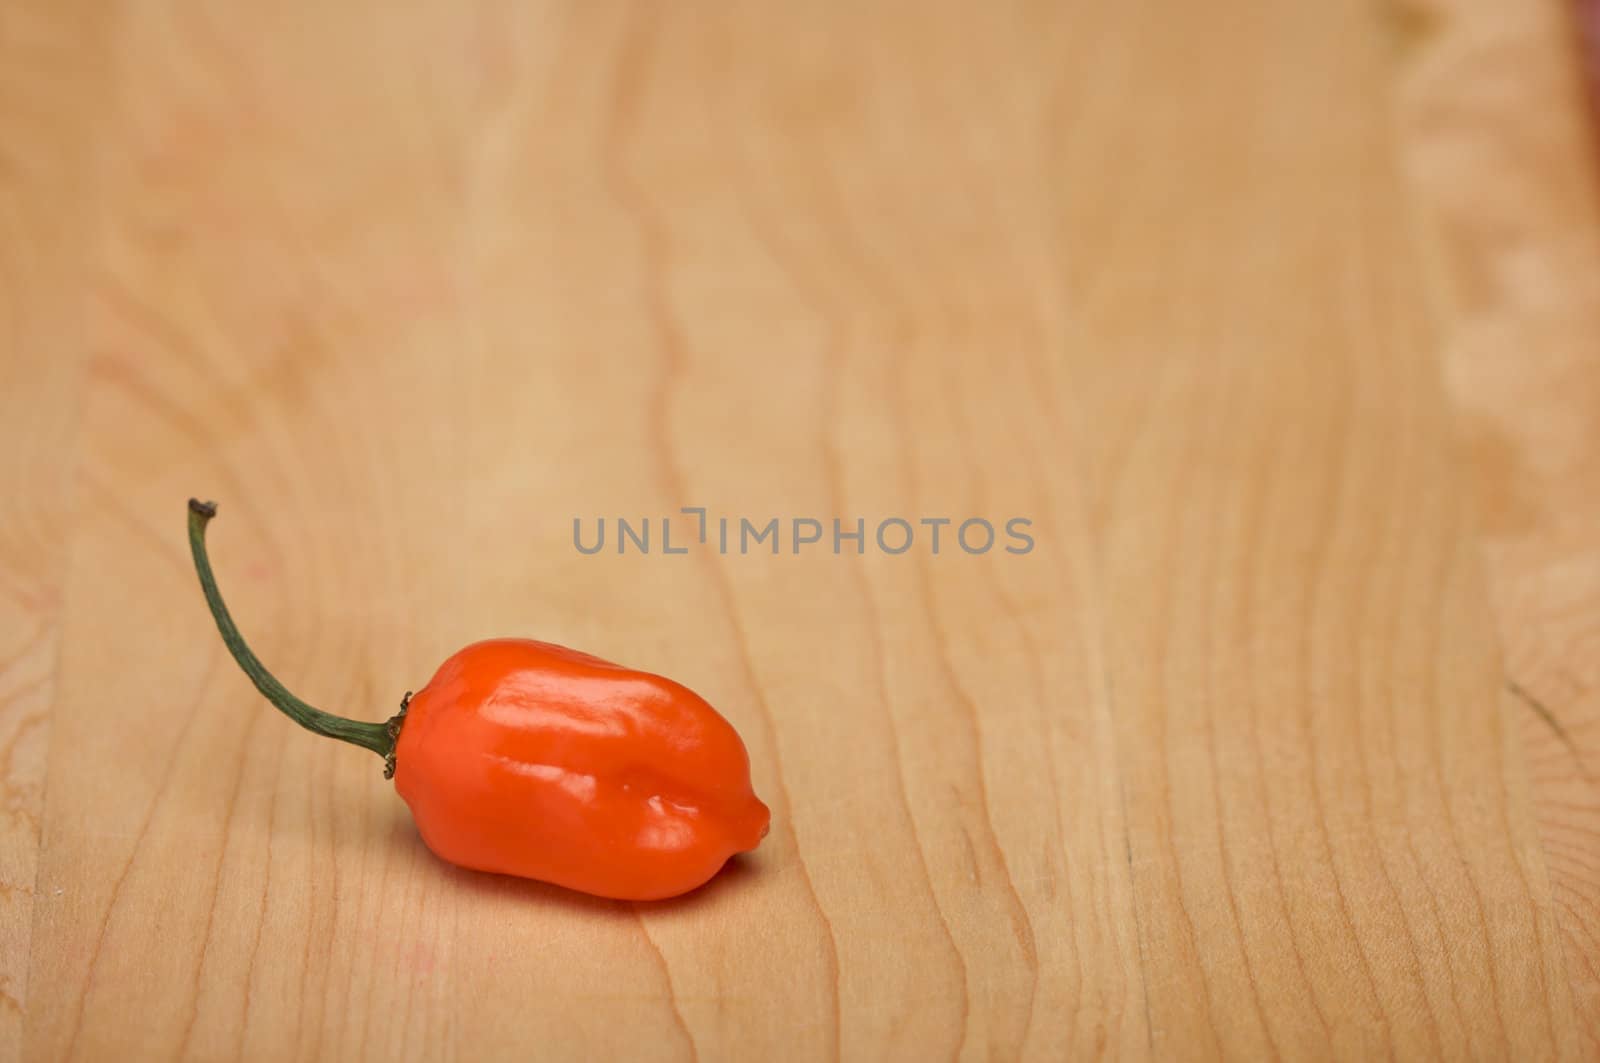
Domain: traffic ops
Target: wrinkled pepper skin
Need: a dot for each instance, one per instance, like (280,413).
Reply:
(530,759)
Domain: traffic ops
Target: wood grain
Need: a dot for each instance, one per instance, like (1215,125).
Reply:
(1303,664)
(1226,766)
(48,88)
(1508,170)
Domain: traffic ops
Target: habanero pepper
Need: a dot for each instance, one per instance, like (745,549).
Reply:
(530,759)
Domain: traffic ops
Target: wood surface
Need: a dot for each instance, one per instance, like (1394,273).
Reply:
(1276,320)
(1517,269)
(48,86)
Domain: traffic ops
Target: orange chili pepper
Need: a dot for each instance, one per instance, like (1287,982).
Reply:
(531,759)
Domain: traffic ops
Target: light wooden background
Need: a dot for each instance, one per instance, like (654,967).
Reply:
(1279,320)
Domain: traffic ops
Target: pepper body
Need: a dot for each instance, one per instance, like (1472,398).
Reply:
(530,759)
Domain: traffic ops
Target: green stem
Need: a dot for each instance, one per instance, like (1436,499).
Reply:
(378,737)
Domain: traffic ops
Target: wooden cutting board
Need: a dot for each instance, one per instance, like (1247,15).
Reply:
(1274,322)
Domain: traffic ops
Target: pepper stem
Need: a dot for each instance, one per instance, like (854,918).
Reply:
(378,737)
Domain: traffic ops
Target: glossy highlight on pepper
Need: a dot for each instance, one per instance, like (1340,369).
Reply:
(531,759)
